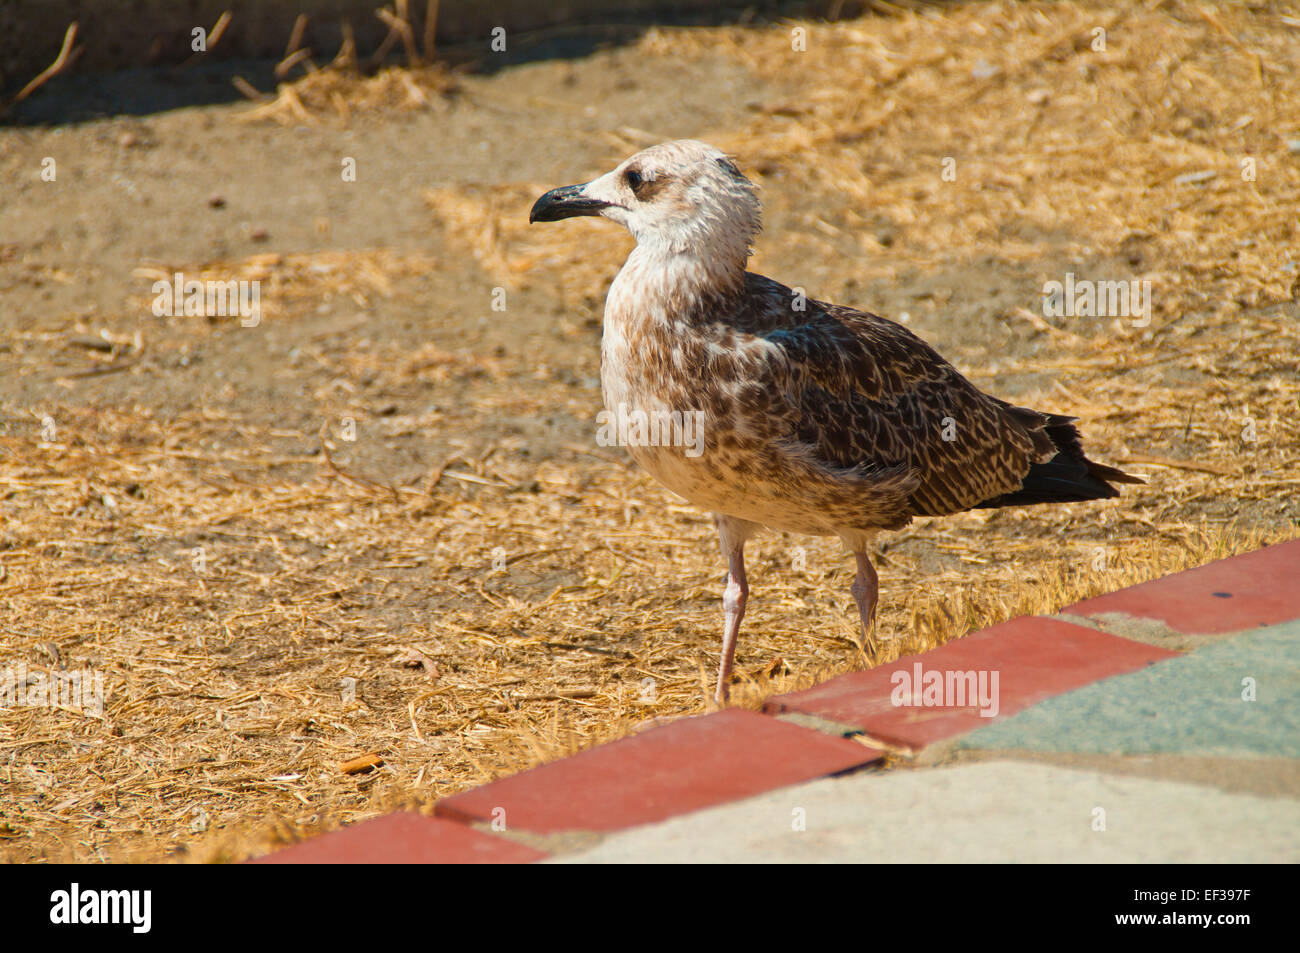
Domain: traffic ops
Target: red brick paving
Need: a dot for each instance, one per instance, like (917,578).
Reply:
(1242,592)
(1035,658)
(684,766)
(405,838)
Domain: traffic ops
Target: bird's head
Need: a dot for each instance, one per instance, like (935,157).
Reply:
(682,198)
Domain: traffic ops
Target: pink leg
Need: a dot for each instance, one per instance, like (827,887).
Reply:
(865,589)
(733,534)
(733,606)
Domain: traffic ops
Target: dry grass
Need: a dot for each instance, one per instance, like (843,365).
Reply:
(227,604)
(347,85)
(335,94)
(293,283)
(225,676)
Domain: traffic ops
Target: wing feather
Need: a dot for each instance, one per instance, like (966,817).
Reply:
(862,392)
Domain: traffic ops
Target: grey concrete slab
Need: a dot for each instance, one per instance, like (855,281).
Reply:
(1194,705)
(1266,777)
(990,812)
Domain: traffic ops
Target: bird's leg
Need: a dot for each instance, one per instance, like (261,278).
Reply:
(733,534)
(866,586)
(734,598)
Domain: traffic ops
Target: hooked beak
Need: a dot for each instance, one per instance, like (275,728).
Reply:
(565,202)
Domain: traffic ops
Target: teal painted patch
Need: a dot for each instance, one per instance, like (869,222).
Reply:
(1191,705)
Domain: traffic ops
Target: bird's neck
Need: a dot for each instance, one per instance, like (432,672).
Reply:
(676,284)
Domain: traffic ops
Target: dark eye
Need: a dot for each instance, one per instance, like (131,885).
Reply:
(634,179)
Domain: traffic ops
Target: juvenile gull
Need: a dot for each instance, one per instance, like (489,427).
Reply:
(816,418)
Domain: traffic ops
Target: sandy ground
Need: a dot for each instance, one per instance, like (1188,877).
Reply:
(232,522)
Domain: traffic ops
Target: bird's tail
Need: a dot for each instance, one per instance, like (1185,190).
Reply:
(1068,476)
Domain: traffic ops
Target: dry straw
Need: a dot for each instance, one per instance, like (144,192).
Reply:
(231,604)
(347,84)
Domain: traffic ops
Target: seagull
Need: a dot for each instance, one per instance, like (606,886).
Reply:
(813,418)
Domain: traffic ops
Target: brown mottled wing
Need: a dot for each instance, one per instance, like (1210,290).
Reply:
(864,392)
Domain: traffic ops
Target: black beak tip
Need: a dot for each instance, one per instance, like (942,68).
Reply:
(565,202)
(538,213)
